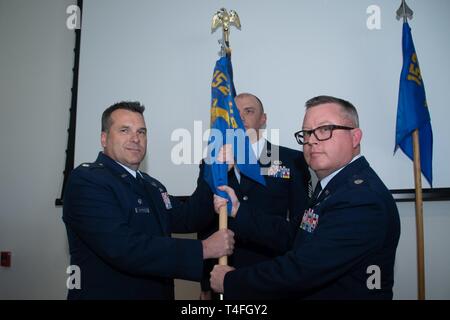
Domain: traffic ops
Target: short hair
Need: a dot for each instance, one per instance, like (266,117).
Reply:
(133,106)
(348,109)
(247,95)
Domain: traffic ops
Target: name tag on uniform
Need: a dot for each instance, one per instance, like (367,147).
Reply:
(142,210)
(166,199)
(309,220)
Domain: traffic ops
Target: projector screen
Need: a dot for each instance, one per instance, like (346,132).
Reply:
(162,54)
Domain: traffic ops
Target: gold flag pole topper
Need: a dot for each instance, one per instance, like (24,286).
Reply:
(226,20)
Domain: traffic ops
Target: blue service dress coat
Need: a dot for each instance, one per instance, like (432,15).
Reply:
(331,250)
(285,195)
(119,233)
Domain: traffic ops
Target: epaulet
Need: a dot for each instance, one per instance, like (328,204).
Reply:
(152,180)
(91,165)
(155,183)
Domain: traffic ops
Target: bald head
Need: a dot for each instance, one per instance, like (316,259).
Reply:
(251,111)
(249,96)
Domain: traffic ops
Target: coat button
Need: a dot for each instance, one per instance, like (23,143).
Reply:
(245,198)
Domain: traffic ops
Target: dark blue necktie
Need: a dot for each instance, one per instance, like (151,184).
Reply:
(139,179)
(312,202)
(317,191)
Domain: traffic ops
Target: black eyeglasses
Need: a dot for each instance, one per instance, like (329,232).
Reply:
(321,133)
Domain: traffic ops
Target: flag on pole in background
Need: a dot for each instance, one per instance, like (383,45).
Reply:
(227,128)
(412,109)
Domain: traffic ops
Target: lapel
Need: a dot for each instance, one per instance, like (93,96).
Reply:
(265,160)
(146,191)
(156,201)
(122,175)
(234,183)
(247,184)
(342,178)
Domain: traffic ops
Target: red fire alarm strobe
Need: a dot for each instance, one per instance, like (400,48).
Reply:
(5,259)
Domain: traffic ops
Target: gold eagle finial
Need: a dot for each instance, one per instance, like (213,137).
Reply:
(226,20)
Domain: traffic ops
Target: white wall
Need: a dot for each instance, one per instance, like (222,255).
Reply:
(287,52)
(437,258)
(36,60)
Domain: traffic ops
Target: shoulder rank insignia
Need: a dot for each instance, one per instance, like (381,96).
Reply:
(92,165)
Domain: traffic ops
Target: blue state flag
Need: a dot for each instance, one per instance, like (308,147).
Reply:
(412,109)
(227,128)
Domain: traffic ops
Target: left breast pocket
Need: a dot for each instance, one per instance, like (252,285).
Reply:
(277,187)
(143,219)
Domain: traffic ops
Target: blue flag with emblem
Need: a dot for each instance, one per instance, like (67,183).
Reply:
(412,109)
(227,128)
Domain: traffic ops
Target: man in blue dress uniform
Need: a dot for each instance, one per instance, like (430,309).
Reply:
(285,194)
(119,220)
(343,247)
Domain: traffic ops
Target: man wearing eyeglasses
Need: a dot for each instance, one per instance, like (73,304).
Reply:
(344,245)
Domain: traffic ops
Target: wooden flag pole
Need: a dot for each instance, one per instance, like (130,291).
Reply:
(406,13)
(224,19)
(223,224)
(419,218)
